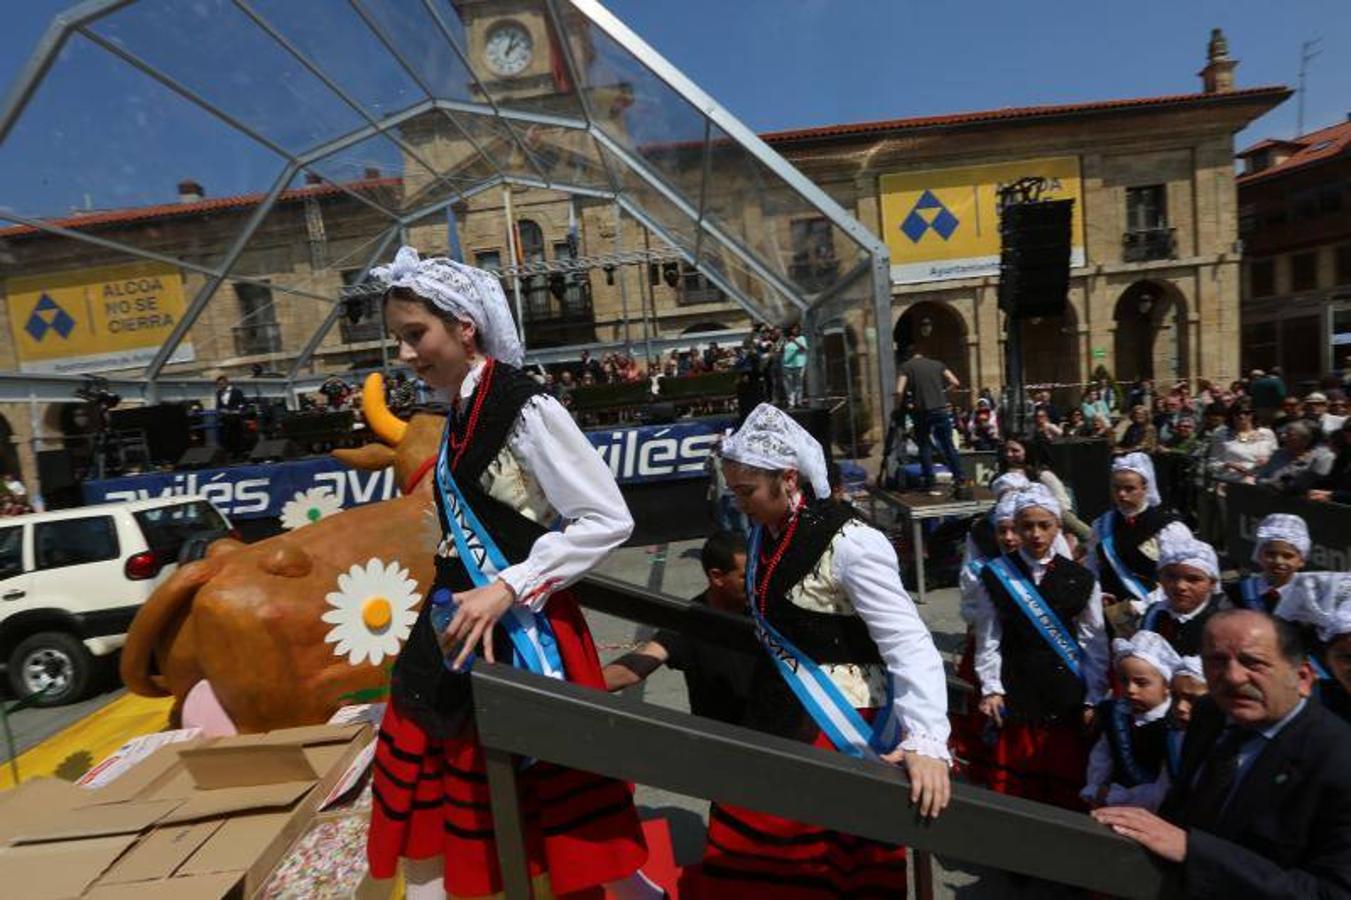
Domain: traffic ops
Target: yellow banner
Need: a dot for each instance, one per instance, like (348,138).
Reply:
(93,320)
(944,223)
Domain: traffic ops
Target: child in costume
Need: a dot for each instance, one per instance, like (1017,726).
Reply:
(1280,549)
(1323,606)
(1186,689)
(1188,594)
(1129,762)
(511,464)
(1124,550)
(1041,658)
(849,665)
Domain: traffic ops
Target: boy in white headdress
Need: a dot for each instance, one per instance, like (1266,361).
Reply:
(1041,658)
(512,462)
(849,666)
(1281,547)
(1124,549)
(1129,762)
(1188,594)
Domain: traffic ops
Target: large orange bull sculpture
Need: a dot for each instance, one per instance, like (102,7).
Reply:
(277,632)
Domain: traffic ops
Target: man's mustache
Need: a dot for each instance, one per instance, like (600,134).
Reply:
(1246,692)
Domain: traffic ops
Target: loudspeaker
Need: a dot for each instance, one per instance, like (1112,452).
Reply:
(56,476)
(165,426)
(1034,258)
(202,457)
(269,450)
(1085,465)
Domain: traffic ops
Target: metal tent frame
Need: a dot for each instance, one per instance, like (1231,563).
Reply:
(738,257)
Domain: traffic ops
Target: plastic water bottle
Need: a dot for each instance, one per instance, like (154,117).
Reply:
(442,612)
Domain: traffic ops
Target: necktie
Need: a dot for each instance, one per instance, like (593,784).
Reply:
(1270,599)
(1211,793)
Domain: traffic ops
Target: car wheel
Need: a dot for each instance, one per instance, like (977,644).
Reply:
(52,663)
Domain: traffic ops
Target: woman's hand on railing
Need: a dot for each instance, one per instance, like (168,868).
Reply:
(930,787)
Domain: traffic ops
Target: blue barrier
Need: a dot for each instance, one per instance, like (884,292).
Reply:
(636,455)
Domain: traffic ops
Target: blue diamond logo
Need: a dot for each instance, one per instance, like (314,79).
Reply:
(47,316)
(929,213)
(914,226)
(36,327)
(63,323)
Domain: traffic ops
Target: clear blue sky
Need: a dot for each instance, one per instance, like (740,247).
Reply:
(795,63)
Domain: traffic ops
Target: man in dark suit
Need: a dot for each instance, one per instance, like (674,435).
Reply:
(1262,805)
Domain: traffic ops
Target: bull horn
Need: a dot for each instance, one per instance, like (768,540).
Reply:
(387,426)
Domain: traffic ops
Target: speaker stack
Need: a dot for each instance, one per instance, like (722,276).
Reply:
(1034,258)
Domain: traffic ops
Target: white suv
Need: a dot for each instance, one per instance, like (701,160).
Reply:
(71,581)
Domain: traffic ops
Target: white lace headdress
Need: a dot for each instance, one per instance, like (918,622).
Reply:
(467,293)
(1143,466)
(770,439)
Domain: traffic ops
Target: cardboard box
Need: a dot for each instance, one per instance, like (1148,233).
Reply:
(201,820)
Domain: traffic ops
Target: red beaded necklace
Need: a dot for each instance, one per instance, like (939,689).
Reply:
(772,563)
(460,444)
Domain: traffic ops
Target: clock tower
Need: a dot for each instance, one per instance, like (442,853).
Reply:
(511,46)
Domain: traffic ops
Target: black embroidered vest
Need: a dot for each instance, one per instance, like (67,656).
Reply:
(1185,637)
(1128,539)
(421,687)
(1038,686)
(824,637)
(1148,747)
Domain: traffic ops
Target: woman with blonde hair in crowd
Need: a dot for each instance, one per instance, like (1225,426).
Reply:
(1139,434)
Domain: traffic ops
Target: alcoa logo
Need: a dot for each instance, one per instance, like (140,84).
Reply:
(927,214)
(48,316)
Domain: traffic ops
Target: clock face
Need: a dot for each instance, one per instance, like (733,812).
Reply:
(509,49)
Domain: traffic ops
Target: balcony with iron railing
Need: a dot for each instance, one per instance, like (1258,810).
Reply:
(257,339)
(1147,244)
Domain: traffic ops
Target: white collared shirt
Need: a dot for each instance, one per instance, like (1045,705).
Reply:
(578,485)
(1090,633)
(865,566)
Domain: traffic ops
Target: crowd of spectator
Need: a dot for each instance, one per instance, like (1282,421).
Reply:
(1253,432)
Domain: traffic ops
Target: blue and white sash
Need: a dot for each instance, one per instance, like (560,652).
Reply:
(532,638)
(1252,598)
(1120,722)
(1172,743)
(825,703)
(1043,618)
(1107,541)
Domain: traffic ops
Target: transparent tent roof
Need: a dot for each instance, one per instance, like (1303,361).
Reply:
(400,109)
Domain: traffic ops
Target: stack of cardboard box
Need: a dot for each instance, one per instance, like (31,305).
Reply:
(199,820)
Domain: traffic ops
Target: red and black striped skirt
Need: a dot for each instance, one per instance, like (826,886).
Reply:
(1046,762)
(431,798)
(752,855)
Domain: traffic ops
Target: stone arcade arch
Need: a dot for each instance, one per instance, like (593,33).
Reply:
(938,331)
(1151,339)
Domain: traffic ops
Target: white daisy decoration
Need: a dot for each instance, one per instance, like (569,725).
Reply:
(308,507)
(373,611)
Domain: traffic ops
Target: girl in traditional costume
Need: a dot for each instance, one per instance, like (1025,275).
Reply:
(1124,550)
(526,508)
(849,665)
(1280,549)
(1041,657)
(1188,594)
